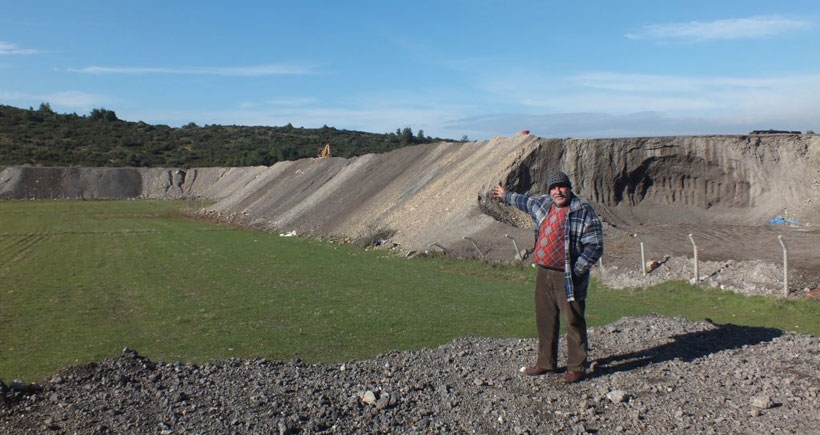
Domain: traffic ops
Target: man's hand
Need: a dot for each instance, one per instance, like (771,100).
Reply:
(499,191)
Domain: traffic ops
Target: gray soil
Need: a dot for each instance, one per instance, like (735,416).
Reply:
(651,375)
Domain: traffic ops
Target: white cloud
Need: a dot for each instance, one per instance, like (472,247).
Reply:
(281,102)
(647,83)
(71,100)
(733,28)
(594,104)
(76,99)
(614,92)
(7,48)
(366,117)
(13,95)
(609,104)
(241,71)
(292,101)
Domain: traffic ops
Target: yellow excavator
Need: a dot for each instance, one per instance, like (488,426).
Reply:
(325,152)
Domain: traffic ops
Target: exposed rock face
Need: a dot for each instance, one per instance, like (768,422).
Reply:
(735,178)
(70,183)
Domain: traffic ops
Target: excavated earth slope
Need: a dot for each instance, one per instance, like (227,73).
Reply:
(723,190)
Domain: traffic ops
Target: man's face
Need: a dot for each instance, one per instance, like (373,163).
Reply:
(561,194)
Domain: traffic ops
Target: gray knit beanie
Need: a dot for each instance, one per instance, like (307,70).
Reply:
(558,178)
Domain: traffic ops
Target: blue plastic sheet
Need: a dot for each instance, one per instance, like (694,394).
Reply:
(781,221)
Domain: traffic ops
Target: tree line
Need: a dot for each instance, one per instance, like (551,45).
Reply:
(45,138)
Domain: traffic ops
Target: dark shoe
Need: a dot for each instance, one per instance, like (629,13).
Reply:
(573,377)
(533,371)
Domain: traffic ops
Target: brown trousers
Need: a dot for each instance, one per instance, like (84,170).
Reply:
(550,302)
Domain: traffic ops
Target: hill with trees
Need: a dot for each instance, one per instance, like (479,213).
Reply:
(43,137)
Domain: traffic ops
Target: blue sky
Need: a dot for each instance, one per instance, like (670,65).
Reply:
(451,68)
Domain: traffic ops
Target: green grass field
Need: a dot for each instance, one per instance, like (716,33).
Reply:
(80,280)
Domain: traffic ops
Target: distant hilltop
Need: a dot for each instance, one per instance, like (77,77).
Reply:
(42,137)
(770,131)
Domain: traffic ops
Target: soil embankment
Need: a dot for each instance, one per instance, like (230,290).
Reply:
(724,190)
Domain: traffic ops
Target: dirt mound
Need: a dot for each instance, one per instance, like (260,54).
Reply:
(721,189)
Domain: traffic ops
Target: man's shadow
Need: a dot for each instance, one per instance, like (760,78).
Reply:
(688,347)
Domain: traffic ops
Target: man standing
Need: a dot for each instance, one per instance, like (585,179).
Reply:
(569,241)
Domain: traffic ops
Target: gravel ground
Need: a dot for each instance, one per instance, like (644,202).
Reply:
(651,374)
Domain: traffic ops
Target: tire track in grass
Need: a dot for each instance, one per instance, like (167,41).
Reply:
(15,248)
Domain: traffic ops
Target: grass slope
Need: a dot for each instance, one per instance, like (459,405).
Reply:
(80,280)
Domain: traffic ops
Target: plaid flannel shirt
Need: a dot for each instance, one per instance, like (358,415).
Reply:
(583,237)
